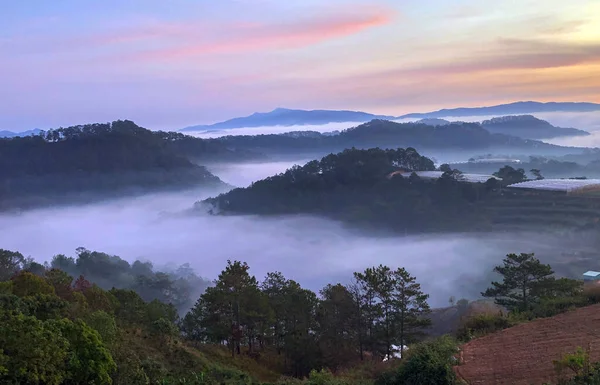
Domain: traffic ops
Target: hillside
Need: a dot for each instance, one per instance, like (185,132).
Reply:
(361,188)
(523,354)
(453,137)
(288,117)
(508,109)
(549,168)
(61,325)
(522,126)
(528,127)
(103,160)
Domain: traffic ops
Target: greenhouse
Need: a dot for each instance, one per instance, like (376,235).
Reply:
(473,178)
(569,186)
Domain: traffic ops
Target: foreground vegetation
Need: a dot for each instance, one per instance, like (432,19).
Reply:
(85,334)
(57,329)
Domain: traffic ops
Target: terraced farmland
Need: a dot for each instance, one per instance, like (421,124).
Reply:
(546,209)
(523,355)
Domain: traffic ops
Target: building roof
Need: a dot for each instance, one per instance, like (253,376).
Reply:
(591,273)
(566,185)
(473,178)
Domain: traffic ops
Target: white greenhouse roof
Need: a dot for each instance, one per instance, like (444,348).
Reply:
(565,185)
(473,178)
(591,273)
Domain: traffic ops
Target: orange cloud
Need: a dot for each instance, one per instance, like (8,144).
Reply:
(507,54)
(248,37)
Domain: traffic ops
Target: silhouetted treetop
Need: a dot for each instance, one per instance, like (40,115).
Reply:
(107,147)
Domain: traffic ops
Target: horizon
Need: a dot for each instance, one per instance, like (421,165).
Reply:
(473,118)
(181,64)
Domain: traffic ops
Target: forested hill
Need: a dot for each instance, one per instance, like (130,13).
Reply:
(106,147)
(387,134)
(356,186)
(104,158)
(528,126)
(361,188)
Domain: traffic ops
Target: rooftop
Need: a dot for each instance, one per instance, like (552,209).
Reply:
(591,273)
(473,178)
(566,185)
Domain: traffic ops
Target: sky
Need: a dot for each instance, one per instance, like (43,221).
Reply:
(171,64)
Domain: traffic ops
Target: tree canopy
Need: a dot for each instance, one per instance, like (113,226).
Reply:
(105,158)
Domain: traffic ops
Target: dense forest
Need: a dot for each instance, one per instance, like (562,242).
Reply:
(368,189)
(59,328)
(104,159)
(387,134)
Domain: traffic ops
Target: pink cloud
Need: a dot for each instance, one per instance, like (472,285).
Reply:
(248,37)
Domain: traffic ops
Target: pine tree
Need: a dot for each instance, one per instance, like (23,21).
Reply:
(521,275)
(411,308)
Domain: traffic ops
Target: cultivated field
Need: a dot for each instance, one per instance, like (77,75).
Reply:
(523,354)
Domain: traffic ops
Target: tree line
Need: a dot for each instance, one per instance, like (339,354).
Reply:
(109,147)
(60,328)
(382,310)
(179,286)
(365,187)
(83,163)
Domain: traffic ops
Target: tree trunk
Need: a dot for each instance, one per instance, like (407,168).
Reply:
(402,334)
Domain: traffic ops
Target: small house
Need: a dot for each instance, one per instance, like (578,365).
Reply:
(591,276)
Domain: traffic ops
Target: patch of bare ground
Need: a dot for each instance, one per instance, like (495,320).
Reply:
(524,353)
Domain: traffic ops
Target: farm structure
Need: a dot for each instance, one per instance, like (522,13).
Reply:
(591,276)
(561,186)
(523,354)
(472,178)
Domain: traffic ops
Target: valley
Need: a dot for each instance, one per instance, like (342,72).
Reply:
(275,203)
(300,192)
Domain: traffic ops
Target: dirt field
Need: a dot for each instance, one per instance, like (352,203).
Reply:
(523,354)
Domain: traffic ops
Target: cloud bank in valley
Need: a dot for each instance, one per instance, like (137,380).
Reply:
(313,251)
(265,130)
(588,121)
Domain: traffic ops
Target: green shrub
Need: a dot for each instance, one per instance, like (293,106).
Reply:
(481,325)
(25,284)
(104,324)
(426,363)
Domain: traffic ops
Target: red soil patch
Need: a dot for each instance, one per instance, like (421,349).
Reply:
(524,353)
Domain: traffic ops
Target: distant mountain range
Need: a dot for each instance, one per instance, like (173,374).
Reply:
(529,127)
(288,117)
(523,126)
(448,138)
(11,134)
(295,117)
(508,109)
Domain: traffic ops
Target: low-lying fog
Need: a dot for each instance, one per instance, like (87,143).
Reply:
(273,129)
(243,174)
(312,251)
(588,121)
